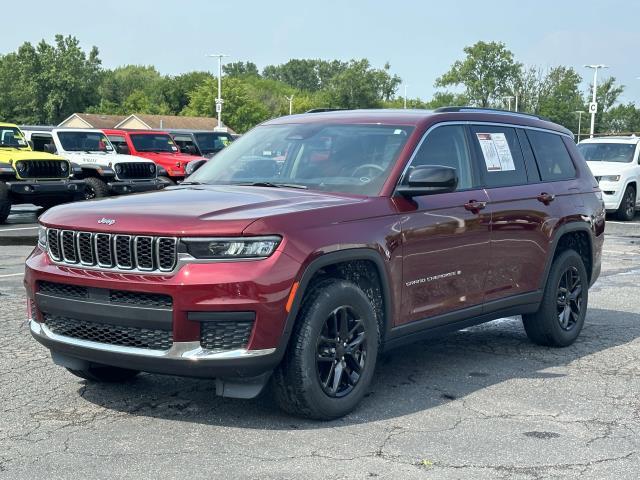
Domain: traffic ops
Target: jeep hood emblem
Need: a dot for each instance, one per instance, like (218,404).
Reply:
(106,221)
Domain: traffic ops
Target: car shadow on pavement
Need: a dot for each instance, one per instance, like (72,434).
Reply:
(415,378)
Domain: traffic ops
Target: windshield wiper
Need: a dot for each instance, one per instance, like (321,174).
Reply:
(270,184)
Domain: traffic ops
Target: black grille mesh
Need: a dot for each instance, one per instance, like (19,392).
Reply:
(144,253)
(104,250)
(62,290)
(85,248)
(69,253)
(46,169)
(53,239)
(133,171)
(141,299)
(221,336)
(123,251)
(109,334)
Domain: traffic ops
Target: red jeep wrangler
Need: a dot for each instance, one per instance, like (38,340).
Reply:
(156,146)
(315,241)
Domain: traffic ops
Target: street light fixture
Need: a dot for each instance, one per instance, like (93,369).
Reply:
(593,106)
(219,97)
(290,104)
(405,96)
(579,112)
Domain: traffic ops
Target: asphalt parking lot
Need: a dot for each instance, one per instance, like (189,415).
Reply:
(482,403)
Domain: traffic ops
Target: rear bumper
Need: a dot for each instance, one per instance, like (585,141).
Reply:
(54,189)
(135,186)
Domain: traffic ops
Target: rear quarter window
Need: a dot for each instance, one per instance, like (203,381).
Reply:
(552,157)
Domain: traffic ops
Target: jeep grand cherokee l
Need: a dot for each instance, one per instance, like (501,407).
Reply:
(374,229)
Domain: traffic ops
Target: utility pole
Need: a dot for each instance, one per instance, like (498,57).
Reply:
(516,102)
(219,100)
(593,106)
(405,96)
(509,98)
(290,104)
(579,112)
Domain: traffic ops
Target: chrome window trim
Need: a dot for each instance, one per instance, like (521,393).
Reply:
(466,123)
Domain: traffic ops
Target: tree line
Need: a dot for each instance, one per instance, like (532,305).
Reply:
(45,83)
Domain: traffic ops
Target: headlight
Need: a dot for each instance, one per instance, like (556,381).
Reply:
(21,167)
(152,167)
(610,178)
(42,237)
(230,248)
(118,169)
(64,167)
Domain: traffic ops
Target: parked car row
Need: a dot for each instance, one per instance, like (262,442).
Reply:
(47,166)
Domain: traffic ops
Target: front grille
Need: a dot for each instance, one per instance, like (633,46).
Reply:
(121,252)
(221,336)
(109,334)
(62,290)
(136,171)
(140,299)
(45,169)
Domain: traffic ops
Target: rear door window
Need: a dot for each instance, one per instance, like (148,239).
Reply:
(501,162)
(554,161)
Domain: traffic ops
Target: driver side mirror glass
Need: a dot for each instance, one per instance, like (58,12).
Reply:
(429,180)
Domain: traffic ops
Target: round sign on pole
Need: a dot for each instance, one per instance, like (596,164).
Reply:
(593,107)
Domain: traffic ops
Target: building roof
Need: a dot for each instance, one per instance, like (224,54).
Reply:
(94,120)
(162,122)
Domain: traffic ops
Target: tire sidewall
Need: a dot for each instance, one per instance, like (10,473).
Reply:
(99,187)
(562,263)
(622,213)
(5,202)
(334,296)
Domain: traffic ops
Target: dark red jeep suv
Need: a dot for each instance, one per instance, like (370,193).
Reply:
(316,241)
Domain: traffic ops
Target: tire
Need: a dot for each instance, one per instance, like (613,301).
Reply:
(104,373)
(95,188)
(5,202)
(167,180)
(550,326)
(627,209)
(304,386)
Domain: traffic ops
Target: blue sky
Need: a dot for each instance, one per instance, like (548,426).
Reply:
(419,38)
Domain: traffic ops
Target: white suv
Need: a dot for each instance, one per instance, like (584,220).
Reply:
(614,163)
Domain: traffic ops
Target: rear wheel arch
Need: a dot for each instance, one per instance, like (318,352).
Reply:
(572,236)
(354,265)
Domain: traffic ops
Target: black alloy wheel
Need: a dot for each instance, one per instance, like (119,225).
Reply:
(569,298)
(341,352)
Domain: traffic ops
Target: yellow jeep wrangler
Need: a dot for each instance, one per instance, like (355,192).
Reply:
(26,176)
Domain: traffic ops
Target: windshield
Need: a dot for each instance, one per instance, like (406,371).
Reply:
(607,152)
(146,142)
(84,142)
(211,142)
(12,137)
(329,157)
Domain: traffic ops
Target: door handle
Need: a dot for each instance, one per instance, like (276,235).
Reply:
(475,206)
(546,198)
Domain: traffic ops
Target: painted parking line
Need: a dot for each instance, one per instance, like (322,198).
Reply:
(617,252)
(624,223)
(12,275)
(16,229)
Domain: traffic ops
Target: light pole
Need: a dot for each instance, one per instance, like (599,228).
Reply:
(516,102)
(593,107)
(579,112)
(405,96)
(509,98)
(290,104)
(219,97)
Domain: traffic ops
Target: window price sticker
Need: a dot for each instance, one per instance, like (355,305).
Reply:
(496,152)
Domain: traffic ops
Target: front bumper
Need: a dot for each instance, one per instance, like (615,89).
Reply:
(611,195)
(22,190)
(135,186)
(183,358)
(202,293)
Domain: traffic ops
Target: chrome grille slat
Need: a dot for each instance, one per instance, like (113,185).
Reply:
(122,252)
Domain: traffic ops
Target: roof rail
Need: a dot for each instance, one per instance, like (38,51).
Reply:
(489,110)
(320,110)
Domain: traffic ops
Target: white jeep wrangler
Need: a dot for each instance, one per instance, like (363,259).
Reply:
(94,159)
(615,164)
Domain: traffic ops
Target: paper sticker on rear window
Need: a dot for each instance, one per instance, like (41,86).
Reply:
(496,152)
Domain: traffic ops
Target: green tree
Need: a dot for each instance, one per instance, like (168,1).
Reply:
(559,96)
(487,73)
(305,74)
(241,69)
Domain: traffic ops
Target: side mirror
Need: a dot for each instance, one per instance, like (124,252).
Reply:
(123,149)
(429,180)
(193,165)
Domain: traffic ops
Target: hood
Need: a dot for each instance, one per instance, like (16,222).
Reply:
(190,210)
(103,158)
(8,155)
(609,168)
